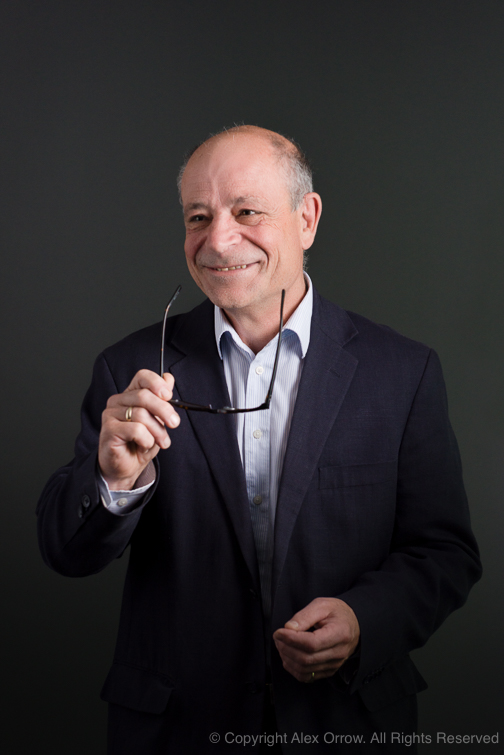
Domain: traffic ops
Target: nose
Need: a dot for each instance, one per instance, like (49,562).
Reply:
(223,233)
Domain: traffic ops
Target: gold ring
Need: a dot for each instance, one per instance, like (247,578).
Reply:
(312,677)
(129,413)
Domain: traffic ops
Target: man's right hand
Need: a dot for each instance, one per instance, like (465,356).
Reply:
(128,445)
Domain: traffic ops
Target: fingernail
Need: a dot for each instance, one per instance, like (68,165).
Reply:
(292,625)
(165,394)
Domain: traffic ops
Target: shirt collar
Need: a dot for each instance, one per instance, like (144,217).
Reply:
(299,322)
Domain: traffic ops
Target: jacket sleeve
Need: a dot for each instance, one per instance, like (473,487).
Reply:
(433,559)
(77,534)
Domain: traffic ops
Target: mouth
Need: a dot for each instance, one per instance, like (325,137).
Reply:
(231,267)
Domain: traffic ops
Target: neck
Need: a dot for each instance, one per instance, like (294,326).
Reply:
(257,328)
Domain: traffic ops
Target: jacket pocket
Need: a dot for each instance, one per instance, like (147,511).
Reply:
(356,474)
(137,688)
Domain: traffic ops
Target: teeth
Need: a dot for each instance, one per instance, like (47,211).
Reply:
(237,267)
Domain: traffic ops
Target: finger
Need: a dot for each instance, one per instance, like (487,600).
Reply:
(139,415)
(332,620)
(308,677)
(144,386)
(160,386)
(323,638)
(311,657)
(143,398)
(309,616)
(312,672)
(134,435)
(123,425)
(299,663)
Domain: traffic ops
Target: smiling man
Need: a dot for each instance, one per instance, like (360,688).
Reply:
(283,561)
(245,231)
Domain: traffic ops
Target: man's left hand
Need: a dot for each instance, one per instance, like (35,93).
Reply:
(318,639)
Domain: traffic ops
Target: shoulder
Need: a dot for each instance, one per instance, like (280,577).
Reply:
(358,333)
(381,354)
(387,365)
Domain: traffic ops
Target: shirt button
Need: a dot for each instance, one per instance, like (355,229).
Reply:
(257,434)
(122,501)
(259,370)
(257,499)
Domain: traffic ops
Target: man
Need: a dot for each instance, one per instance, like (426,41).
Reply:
(283,562)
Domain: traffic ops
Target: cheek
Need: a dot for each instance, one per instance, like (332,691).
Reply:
(193,243)
(189,249)
(266,238)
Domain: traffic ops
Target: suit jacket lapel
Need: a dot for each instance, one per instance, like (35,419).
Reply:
(327,374)
(199,377)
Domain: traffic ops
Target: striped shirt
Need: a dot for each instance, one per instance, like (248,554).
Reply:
(262,436)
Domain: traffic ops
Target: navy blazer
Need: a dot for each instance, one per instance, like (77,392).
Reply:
(371,509)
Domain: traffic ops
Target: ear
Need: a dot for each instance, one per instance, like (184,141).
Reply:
(310,212)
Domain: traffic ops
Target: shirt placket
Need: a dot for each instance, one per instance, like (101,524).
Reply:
(256,447)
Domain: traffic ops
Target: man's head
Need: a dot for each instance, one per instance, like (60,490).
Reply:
(298,171)
(248,219)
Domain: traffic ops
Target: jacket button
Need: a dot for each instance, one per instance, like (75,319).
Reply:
(80,512)
(86,501)
(373,675)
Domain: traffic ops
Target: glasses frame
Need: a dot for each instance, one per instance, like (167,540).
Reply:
(189,406)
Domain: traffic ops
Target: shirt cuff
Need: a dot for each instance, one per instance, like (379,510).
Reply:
(122,502)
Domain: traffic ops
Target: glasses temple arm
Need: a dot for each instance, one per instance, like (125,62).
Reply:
(161,361)
(277,355)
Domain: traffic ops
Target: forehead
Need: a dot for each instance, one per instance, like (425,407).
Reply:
(235,165)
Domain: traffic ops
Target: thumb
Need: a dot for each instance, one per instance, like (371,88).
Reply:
(308,616)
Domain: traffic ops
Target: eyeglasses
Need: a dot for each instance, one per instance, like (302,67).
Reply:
(225,409)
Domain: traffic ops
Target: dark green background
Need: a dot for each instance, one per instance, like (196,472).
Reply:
(400,106)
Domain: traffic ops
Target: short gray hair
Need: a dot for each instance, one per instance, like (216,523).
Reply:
(298,171)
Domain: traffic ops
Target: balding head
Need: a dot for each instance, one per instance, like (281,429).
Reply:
(298,173)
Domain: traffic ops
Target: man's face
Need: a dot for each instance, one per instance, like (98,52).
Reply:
(243,241)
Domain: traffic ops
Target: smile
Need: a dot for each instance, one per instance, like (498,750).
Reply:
(226,269)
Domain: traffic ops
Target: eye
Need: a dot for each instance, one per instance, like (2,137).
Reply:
(193,221)
(249,217)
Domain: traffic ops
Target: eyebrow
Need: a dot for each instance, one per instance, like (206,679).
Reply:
(236,200)
(195,206)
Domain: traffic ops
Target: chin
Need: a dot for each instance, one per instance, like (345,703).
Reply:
(228,296)
(225,300)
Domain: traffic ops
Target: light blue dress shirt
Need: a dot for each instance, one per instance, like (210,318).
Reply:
(262,436)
